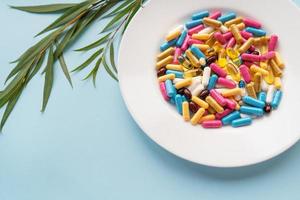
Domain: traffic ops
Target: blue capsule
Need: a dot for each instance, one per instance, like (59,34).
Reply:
(183,98)
(256,32)
(227,17)
(248,110)
(181,38)
(200,15)
(253,102)
(212,82)
(193,23)
(242,84)
(178,103)
(197,52)
(178,74)
(276,99)
(262,96)
(229,118)
(241,122)
(172,100)
(171,91)
(168,44)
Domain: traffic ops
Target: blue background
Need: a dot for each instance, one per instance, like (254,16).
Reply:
(87,146)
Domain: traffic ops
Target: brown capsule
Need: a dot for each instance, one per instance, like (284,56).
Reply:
(268,108)
(203,94)
(255,53)
(187,93)
(161,71)
(181,91)
(193,107)
(211,59)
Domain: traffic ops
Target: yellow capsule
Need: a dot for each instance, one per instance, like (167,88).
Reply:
(197,116)
(173,34)
(238,106)
(211,22)
(166,77)
(236,34)
(207,118)
(279,60)
(255,69)
(277,83)
(232,54)
(186,111)
(200,36)
(211,110)
(192,73)
(200,102)
(276,70)
(217,47)
(211,40)
(250,90)
(210,52)
(233,21)
(246,45)
(232,92)
(263,49)
(222,62)
(233,71)
(166,53)
(164,62)
(192,58)
(184,83)
(214,104)
(264,65)
(241,26)
(185,62)
(174,67)
(202,47)
(257,82)
(270,78)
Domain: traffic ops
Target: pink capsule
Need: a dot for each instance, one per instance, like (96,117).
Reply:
(219,37)
(177,53)
(212,124)
(248,64)
(218,70)
(230,104)
(244,70)
(246,35)
(252,23)
(163,90)
(228,35)
(226,112)
(226,83)
(194,41)
(185,44)
(215,15)
(196,29)
(252,48)
(251,57)
(267,56)
(231,43)
(218,97)
(272,42)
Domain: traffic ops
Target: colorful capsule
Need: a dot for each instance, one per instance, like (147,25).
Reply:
(248,110)
(232,116)
(227,17)
(241,122)
(212,82)
(276,99)
(212,124)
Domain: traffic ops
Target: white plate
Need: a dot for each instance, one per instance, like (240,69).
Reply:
(225,147)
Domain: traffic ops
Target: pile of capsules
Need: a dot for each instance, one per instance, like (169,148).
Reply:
(220,69)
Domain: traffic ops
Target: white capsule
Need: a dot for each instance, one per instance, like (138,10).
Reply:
(207,30)
(206,76)
(197,90)
(196,81)
(244,93)
(179,27)
(270,93)
(264,86)
(237,97)
(176,80)
(224,29)
(221,90)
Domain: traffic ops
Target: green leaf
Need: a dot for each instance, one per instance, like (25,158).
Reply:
(132,14)
(69,15)
(38,66)
(45,8)
(48,79)
(64,68)
(64,42)
(119,8)
(94,44)
(10,106)
(115,20)
(108,70)
(88,61)
(112,57)
(93,73)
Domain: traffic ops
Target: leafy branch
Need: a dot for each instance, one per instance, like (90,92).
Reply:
(66,29)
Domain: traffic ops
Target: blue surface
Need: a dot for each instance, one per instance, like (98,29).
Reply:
(87,147)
